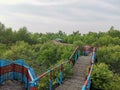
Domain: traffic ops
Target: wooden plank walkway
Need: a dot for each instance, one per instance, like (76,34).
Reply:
(77,80)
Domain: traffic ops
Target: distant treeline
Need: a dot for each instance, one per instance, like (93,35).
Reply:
(8,36)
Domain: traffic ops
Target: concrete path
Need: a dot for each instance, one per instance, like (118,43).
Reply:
(77,80)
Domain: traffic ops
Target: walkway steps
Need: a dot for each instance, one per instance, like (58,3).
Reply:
(77,80)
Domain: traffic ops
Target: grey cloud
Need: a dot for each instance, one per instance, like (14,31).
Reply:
(113,2)
(64,12)
(71,16)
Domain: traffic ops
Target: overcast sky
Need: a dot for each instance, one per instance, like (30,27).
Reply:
(66,15)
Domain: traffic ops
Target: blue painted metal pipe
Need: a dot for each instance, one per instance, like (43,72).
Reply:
(78,53)
(50,84)
(83,87)
(61,76)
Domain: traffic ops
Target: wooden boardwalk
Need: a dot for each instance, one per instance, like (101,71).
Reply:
(77,80)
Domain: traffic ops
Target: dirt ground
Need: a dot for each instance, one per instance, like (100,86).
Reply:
(12,85)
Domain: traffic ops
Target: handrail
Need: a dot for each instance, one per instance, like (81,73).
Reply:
(60,66)
(17,70)
(87,83)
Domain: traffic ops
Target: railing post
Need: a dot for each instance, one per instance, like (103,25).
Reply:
(61,72)
(89,84)
(22,77)
(83,51)
(50,80)
(0,73)
(78,53)
(70,60)
(89,70)
(93,55)
(32,86)
(83,87)
(76,57)
(13,69)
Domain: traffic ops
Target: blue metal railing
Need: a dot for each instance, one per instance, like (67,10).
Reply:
(87,83)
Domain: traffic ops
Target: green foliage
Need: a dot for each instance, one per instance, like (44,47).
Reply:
(104,79)
(67,71)
(115,84)
(47,54)
(114,33)
(111,56)
(107,40)
(19,50)
(51,53)
(44,83)
(77,43)
(101,77)
(3,48)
